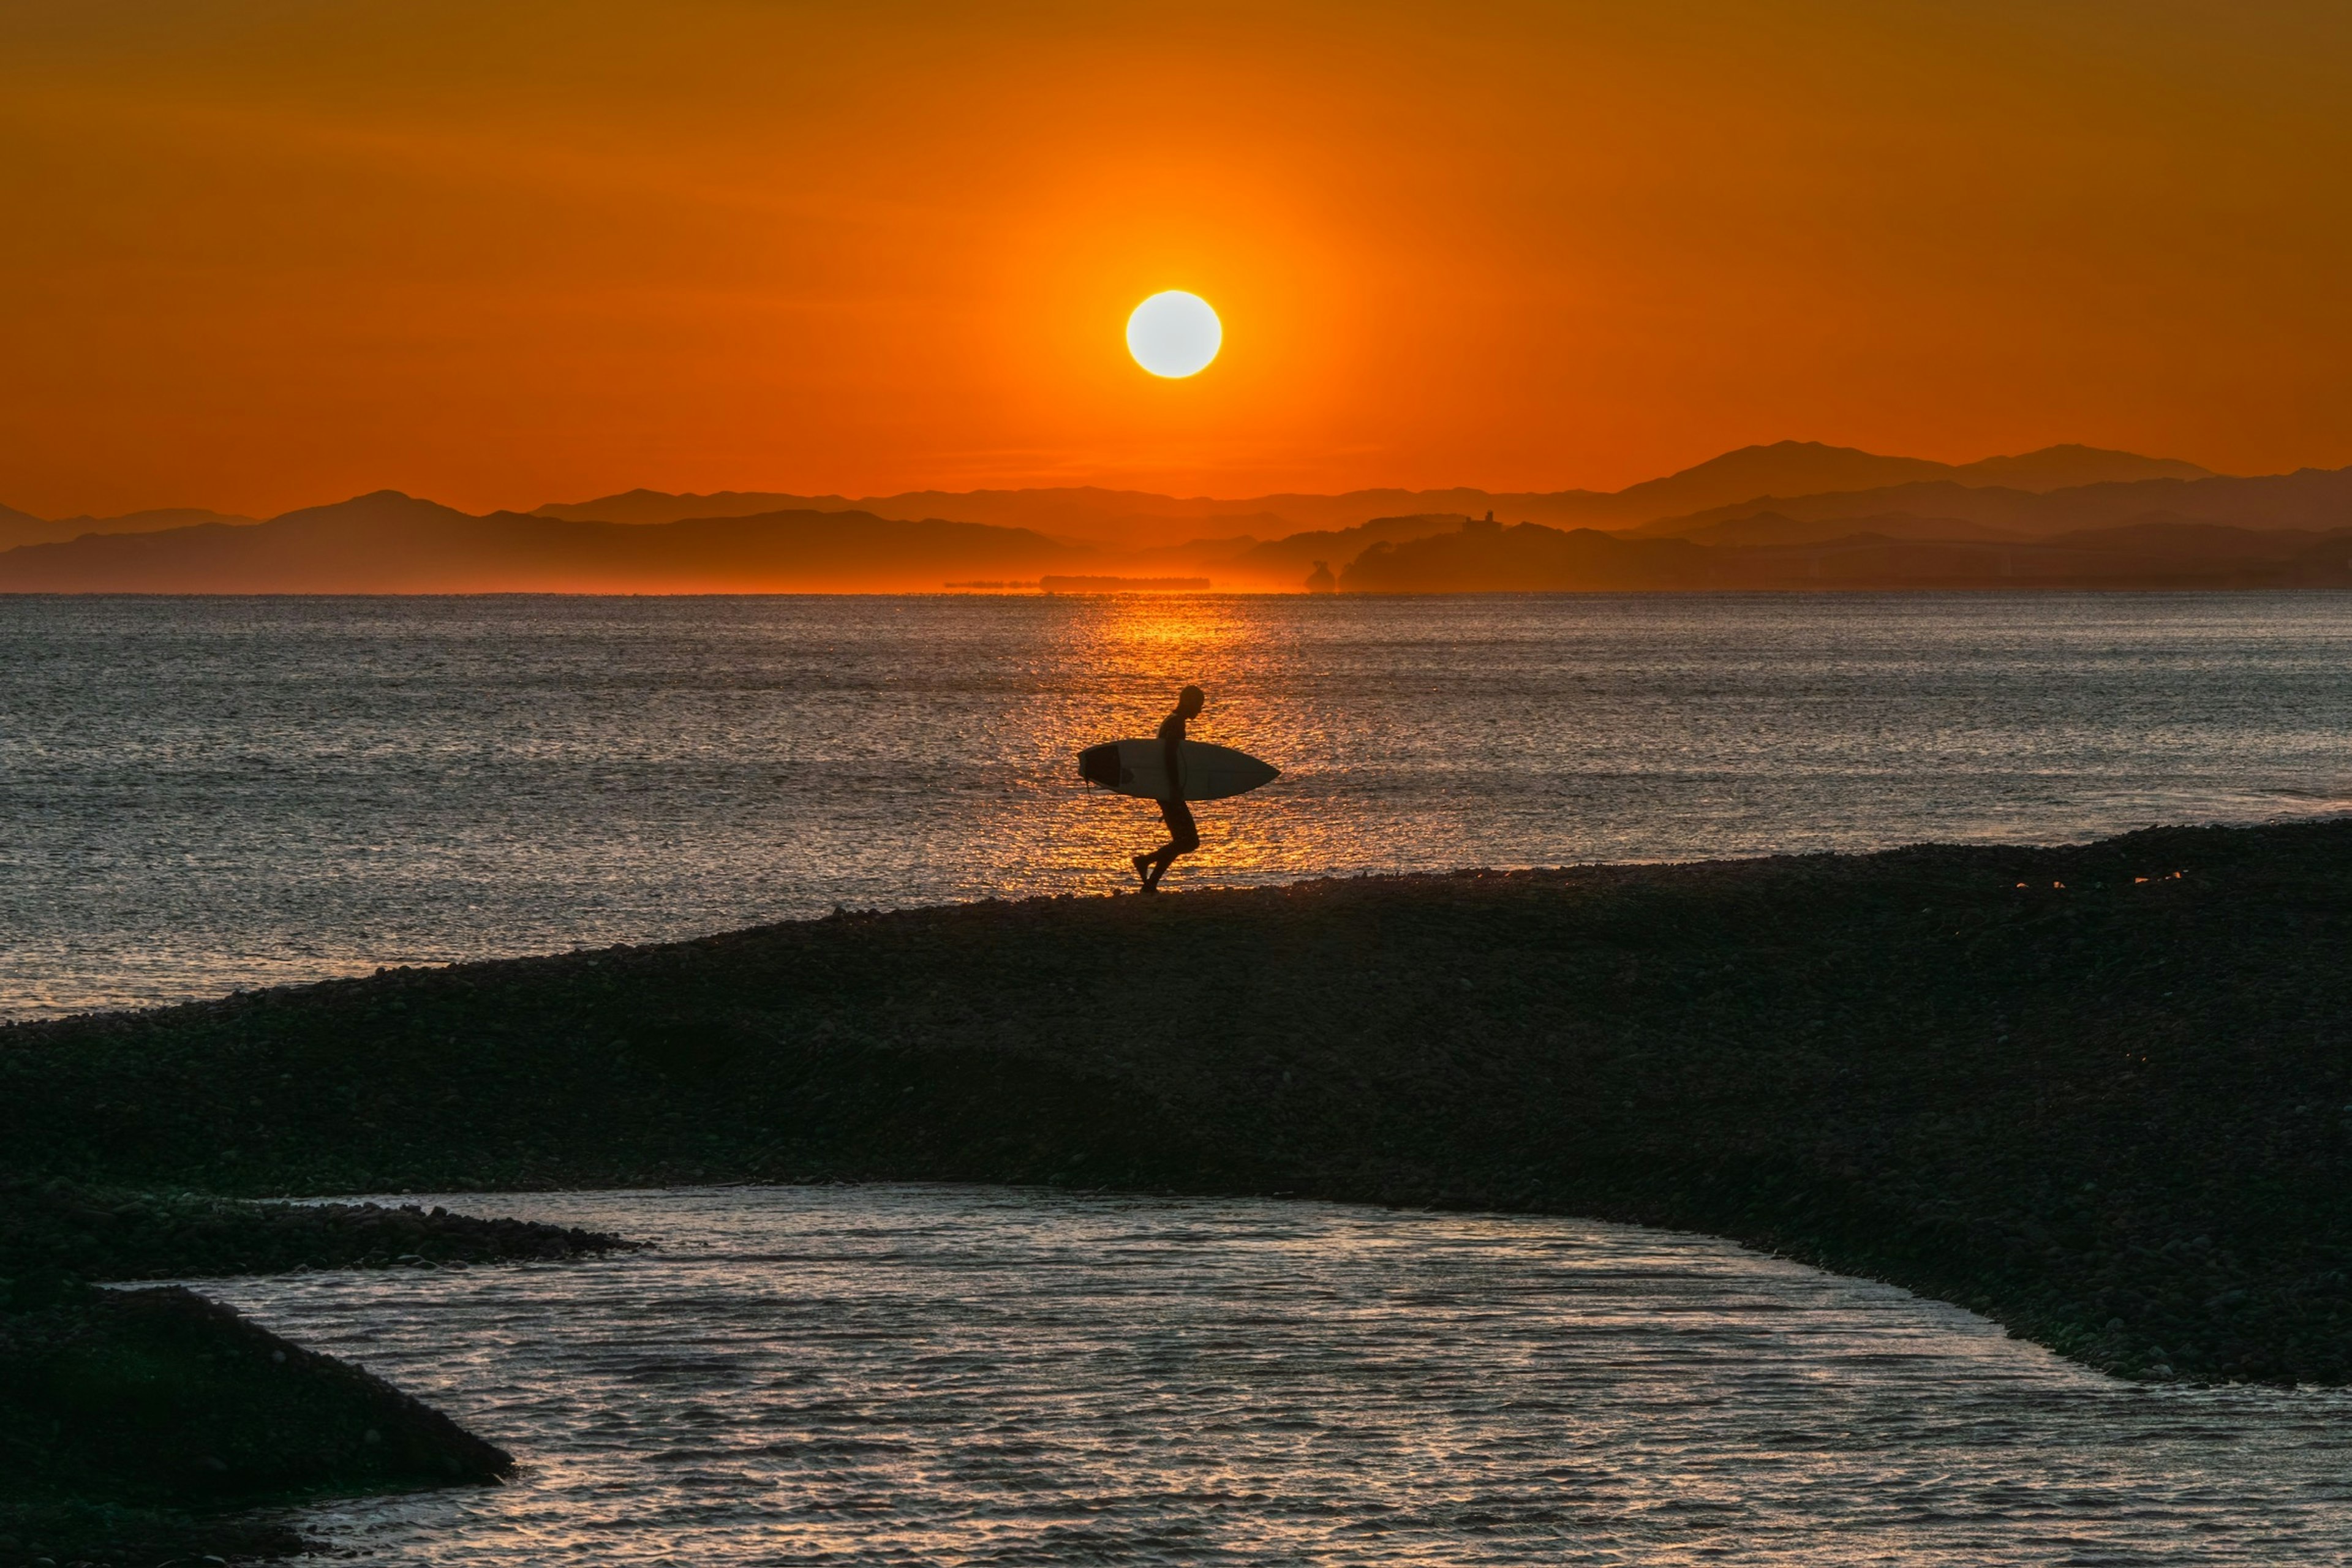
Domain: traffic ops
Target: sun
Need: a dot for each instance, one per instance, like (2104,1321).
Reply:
(1175,335)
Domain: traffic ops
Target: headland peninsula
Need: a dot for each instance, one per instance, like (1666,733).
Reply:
(2101,1093)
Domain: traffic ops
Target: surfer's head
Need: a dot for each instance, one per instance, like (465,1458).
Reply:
(1188,700)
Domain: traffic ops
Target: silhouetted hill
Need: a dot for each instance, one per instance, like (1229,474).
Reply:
(23,528)
(14,522)
(643,506)
(1753,475)
(1138,519)
(1485,557)
(391,544)
(1126,520)
(2152,552)
(2176,538)
(2315,498)
(2065,466)
(1771,528)
(2001,508)
(1282,564)
(1783,468)
(1789,493)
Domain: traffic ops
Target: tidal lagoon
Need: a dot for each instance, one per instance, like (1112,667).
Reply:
(897,1374)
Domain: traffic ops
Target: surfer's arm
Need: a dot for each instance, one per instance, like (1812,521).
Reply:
(1173,761)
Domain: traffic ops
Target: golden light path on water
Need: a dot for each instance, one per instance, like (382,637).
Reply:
(1407,754)
(1144,649)
(202,794)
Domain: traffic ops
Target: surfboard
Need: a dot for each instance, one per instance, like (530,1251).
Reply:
(1140,768)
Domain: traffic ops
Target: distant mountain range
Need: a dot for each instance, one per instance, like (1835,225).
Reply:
(1898,522)
(1129,519)
(23,528)
(2155,551)
(391,543)
(2309,498)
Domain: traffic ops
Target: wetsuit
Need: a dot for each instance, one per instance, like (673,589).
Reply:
(1184,834)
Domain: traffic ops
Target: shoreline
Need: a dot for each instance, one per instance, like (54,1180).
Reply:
(146,1422)
(2115,1115)
(2318,810)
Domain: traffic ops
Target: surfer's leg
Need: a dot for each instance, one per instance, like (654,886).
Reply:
(1184,837)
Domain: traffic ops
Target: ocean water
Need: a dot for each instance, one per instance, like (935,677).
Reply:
(200,795)
(911,1375)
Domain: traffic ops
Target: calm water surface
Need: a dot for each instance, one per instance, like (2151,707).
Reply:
(205,794)
(963,1376)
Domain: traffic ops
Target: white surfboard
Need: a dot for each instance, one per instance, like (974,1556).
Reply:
(1140,768)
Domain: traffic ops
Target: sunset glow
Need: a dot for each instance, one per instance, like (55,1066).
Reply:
(536,252)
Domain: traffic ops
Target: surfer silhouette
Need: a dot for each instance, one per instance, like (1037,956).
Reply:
(1184,834)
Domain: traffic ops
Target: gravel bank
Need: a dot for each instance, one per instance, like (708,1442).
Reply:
(2102,1093)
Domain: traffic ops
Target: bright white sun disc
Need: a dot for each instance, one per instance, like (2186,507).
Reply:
(1175,335)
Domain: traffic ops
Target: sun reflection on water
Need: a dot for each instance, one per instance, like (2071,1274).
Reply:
(1136,652)
(420,781)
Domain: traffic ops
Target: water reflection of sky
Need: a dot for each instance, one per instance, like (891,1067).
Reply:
(208,793)
(964,1376)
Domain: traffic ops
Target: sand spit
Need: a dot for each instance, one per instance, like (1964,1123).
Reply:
(137,1425)
(2101,1093)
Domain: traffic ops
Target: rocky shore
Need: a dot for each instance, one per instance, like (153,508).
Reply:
(2103,1093)
(137,1425)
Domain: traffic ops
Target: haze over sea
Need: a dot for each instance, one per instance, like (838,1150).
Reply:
(210,794)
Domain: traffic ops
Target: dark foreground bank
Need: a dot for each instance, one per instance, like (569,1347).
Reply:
(137,1426)
(2100,1093)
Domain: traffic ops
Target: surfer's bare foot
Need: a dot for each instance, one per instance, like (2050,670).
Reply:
(1143,870)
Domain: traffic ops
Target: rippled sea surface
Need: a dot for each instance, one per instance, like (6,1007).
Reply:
(966,1375)
(197,795)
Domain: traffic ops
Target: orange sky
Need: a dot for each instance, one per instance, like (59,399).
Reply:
(265,253)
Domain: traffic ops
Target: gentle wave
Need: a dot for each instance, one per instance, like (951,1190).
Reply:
(208,793)
(967,1377)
